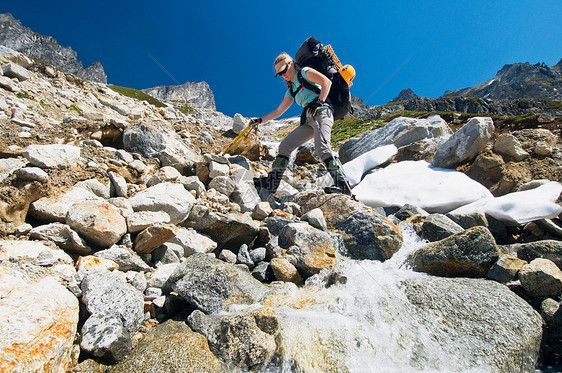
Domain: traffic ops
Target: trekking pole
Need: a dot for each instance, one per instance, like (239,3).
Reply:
(335,158)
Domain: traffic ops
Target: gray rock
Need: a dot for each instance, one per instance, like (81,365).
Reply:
(469,220)
(119,184)
(9,165)
(13,70)
(171,198)
(263,272)
(105,335)
(548,249)
(52,156)
(505,269)
(407,211)
(400,132)
(190,352)
(510,148)
(243,256)
(223,184)
(193,242)
(470,253)
(95,187)
(465,144)
(126,259)
(541,278)
(438,226)
(246,196)
(160,276)
(32,174)
(162,143)
(258,254)
(238,123)
(107,293)
(228,256)
(98,222)
(315,217)
(192,183)
(228,230)
(210,284)
(63,236)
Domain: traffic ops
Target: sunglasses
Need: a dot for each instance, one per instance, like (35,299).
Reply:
(284,70)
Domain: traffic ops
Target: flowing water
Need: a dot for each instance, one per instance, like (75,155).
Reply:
(366,324)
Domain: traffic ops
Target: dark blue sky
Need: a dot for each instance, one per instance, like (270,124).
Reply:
(428,46)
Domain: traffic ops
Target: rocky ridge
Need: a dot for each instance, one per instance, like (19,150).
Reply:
(22,39)
(199,94)
(130,213)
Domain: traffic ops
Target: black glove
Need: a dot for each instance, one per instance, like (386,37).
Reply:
(255,121)
(312,108)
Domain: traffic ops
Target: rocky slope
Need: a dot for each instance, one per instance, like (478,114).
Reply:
(130,217)
(20,38)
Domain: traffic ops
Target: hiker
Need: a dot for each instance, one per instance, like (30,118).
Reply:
(317,113)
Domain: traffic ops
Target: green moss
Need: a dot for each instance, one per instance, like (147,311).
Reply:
(554,104)
(187,108)
(24,94)
(43,104)
(136,94)
(72,107)
(347,128)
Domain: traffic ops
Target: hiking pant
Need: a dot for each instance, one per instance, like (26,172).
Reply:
(307,131)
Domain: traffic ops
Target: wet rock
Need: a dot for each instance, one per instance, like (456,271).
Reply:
(438,226)
(541,278)
(50,323)
(285,271)
(190,352)
(98,222)
(465,144)
(470,253)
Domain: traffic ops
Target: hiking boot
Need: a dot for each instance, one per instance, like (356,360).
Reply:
(273,179)
(340,183)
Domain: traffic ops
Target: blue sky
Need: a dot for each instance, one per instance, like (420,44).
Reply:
(428,46)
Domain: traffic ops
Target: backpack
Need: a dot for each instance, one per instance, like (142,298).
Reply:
(323,59)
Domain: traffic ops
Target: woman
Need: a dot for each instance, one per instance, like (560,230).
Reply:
(309,89)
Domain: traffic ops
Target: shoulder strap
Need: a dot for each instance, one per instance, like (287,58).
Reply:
(306,84)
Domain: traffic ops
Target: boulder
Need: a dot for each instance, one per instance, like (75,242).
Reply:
(98,222)
(436,227)
(310,249)
(285,271)
(211,285)
(547,249)
(156,140)
(153,237)
(399,132)
(190,352)
(171,198)
(52,155)
(126,259)
(470,253)
(13,70)
(505,269)
(193,242)
(465,144)
(228,230)
(55,209)
(510,148)
(63,236)
(116,311)
(40,319)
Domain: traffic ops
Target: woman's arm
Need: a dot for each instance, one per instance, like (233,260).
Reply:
(282,108)
(320,79)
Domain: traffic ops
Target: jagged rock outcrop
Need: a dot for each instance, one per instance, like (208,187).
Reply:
(519,80)
(197,93)
(405,94)
(22,39)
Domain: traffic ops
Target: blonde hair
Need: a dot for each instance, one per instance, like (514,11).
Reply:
(285,57)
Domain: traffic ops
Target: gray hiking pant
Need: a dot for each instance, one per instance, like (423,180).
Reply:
(307,131)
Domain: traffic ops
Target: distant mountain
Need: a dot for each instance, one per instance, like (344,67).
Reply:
(22,39)
(519,80)
(405,94)
(199,94)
